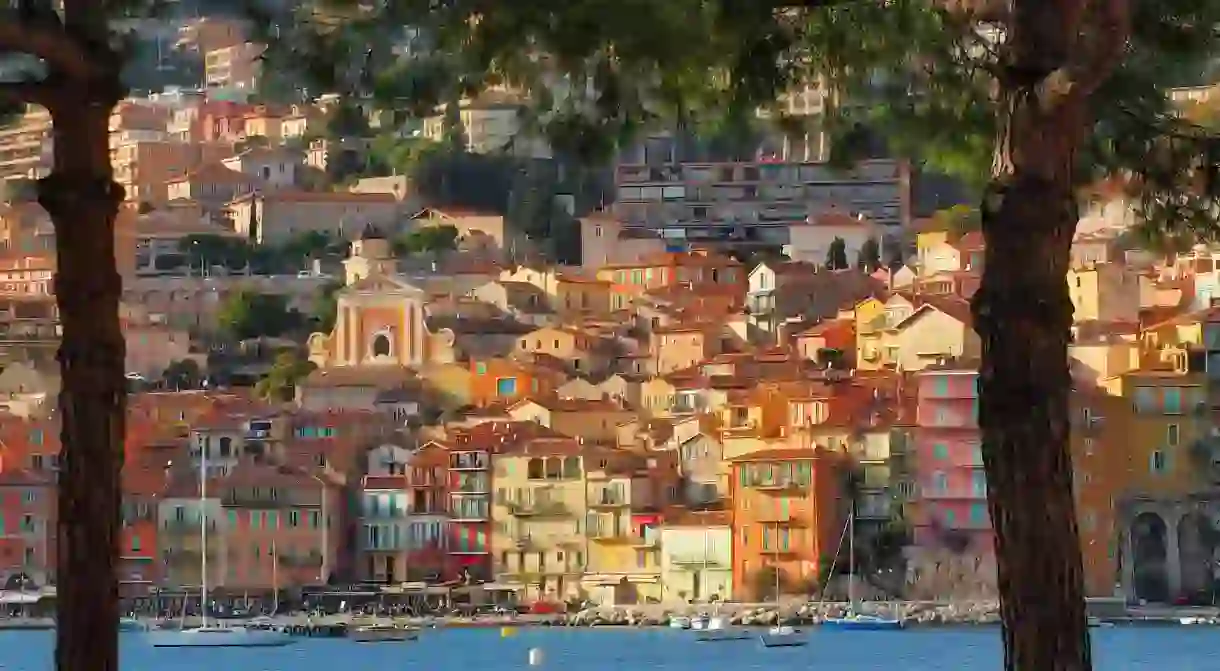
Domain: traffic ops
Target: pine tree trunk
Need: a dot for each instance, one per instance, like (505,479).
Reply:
(1023,315)
(83,202)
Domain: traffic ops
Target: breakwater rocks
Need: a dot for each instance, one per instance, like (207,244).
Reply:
(914,613)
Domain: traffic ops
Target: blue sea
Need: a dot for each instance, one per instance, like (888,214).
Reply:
(1115,649)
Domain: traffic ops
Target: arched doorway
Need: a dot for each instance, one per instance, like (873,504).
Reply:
(381,345)
(1149,536)
(20,581)
(1197,539)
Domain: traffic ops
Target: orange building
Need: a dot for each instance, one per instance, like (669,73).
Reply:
(1100,477)
(788,516)
(500,380)
(144,483)
(694,271)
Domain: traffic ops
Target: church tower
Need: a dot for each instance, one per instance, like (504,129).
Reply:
(371,255)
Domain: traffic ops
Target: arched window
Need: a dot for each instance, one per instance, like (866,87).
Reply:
(554,468)
(571,468)
(534,471)
(381,345)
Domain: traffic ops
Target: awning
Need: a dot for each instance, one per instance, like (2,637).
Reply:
(611,579)
(501,587)
(20,597)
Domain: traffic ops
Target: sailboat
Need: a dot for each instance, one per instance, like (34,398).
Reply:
(782,635)
(854,619)
(217,635)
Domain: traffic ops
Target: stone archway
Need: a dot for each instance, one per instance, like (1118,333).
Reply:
(1149,541)
(1197,541)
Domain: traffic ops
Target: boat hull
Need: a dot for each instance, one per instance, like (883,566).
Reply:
(782,640)
(383,636)
(866,624)
(717,635)
(218,638)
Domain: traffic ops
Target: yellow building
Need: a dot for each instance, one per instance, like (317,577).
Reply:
(1107,292)
(869,323)
(537,519)
(592,421)
(1166,421)
(623,528)
(579,294)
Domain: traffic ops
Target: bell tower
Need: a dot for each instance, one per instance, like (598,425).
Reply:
(371,255)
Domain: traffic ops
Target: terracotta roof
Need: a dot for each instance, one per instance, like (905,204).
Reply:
(685,517)
(215,173)
(320,197)
(779,454)
(555,404)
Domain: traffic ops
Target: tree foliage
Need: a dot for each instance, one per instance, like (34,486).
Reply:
(836,254)
(247,314)
(280,382)
(183,374)
(428,239)
(869,256)
(325,308)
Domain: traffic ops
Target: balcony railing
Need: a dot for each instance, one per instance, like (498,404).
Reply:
(537,508)
(472,486)
(695,561)
(180,527)
(607,498)
(776,517)
(778,550)
(777,484)
(608,534)
(262,500)
(469,462)
(468,514)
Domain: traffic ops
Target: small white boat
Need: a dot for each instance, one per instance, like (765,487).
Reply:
(698,623)
(862,622)
(131,624)
(679,622)
(719,629)
(783,637)
(1097,622)
(383,633)
(218,637)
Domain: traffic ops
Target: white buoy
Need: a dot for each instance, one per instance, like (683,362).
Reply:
(535,656)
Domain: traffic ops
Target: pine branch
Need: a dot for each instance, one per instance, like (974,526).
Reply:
(1099,51)
(47,39)
(25,93)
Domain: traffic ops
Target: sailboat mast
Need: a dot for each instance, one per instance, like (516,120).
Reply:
(777,565)
(851,555)
(203,533)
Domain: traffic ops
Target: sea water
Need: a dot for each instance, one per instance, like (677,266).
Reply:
(610,649)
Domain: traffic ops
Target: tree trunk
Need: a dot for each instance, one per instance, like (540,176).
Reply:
(1023,315)
(83,201)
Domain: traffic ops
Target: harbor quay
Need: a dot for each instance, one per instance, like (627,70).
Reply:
(913,613)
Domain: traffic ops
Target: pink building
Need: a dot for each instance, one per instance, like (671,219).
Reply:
(952,505)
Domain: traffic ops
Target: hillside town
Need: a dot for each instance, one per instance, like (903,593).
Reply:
(703,380)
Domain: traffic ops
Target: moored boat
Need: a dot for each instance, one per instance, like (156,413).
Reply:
(218,637)
(679,622)
(720,629)
(783,637)
(383,633)
(131,624)
(862,622)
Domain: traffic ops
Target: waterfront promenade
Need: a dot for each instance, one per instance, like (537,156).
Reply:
(655,615)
